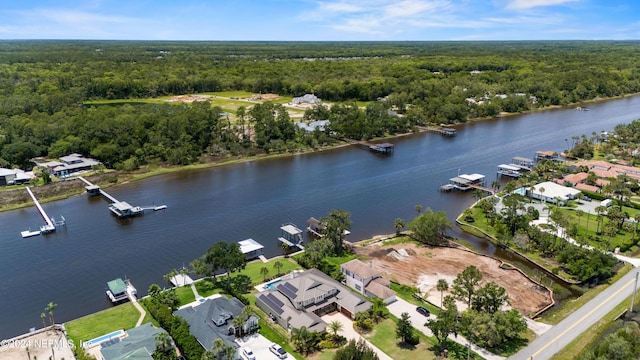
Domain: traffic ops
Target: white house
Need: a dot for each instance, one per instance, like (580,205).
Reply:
(551,192)
(366,280)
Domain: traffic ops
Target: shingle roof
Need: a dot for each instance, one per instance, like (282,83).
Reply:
(359,268)
(139,344)
(379,289)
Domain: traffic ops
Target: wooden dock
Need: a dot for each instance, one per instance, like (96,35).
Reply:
(382,148)
(121,209)
(444,131)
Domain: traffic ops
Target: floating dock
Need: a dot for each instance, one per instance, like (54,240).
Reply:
(121,209)
(49,223)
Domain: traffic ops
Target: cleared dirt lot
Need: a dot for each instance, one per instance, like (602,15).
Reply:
(425,265)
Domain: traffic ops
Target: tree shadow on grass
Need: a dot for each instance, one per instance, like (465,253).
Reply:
(405,346)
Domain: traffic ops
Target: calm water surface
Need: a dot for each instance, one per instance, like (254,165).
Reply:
(253,199)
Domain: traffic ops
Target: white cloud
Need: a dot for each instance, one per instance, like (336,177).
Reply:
(528,4)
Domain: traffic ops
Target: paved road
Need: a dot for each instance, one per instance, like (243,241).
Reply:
(556,338)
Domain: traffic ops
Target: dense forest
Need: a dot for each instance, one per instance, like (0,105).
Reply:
(44,87)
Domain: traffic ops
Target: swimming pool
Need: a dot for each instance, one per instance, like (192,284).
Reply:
(103,338)
(272,285)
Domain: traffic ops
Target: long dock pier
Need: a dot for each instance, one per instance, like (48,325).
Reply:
(121,209)
(383,148)
(49,225)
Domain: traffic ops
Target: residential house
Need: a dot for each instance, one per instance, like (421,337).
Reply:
(366,280)
(605,169)
(320,125)
(138,344)
(14,176)
(306,99)
(553,193)
(69,165)
(573,179)
(301,298)
(213,319)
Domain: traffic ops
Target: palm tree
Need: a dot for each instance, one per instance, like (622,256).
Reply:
(237,325)
(264,271)
(378,309)
(579,214)
(49,308)
(442,286)
(335,327)
(278,266)
(217,347)
(229,352)
(163,342)
(418,208)
(285,249)
(43,316)
(170,275)
(300,337)
(154,290)
(495,185)
(599,210)
(398,223)
(541,190)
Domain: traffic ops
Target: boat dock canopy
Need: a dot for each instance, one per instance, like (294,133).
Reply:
(117,287)
(291,229)
(249,245)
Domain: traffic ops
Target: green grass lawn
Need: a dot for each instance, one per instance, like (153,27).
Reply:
(384,337)
(185,295)
(206,288)
(252,270)
(106,321)
(405,293)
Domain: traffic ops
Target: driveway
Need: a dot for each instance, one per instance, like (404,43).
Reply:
(418,320)
(258,344)
(349,333)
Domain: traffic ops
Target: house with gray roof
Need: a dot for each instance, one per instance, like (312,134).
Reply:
(138,344)
(366,280)
(301,298)
(69,164)
(213,319)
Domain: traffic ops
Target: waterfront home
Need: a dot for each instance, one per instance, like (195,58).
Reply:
(320,125)
(14,176)
(250,248)
(306,99)
(139,343)
(301,298)
(366,280)
(553,193)
(68,165)
(213,319)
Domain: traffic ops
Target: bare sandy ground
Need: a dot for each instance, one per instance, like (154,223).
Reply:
(425,265)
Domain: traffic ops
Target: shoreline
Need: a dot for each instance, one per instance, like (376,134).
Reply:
(154,170)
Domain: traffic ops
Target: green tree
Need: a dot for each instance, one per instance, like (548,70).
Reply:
(442,285)
(154,291)
(430,227)
(302,339)
(466,284)
(404,329)
(490,298)
(335,327)
(278,266)
(43,317)
(163,342)
(49,308)
(227,257)
(355,351)
(378,309)
(336,223)
(446,323)
(398,224)
(264,271)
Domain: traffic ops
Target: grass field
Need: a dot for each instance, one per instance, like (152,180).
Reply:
(106,321)
(253,269)
(383,336)
(185,295)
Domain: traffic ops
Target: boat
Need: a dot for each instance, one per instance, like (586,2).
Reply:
(161,207)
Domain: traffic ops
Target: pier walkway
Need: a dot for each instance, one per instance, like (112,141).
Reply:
(96,188)
(49,226)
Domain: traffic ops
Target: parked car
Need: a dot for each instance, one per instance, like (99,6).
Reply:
(423,311)
(248,354)
(278,351)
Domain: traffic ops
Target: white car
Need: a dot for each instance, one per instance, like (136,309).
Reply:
(248,354)
(278,351)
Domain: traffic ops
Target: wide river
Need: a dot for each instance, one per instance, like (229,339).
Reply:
(252,200)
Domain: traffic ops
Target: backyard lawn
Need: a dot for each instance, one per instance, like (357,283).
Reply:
(106,321)
(185,295)
(384,337)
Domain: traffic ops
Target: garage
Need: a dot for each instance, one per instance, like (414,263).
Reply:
(346,312)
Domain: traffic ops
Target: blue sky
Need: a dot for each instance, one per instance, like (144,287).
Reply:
(297,20)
